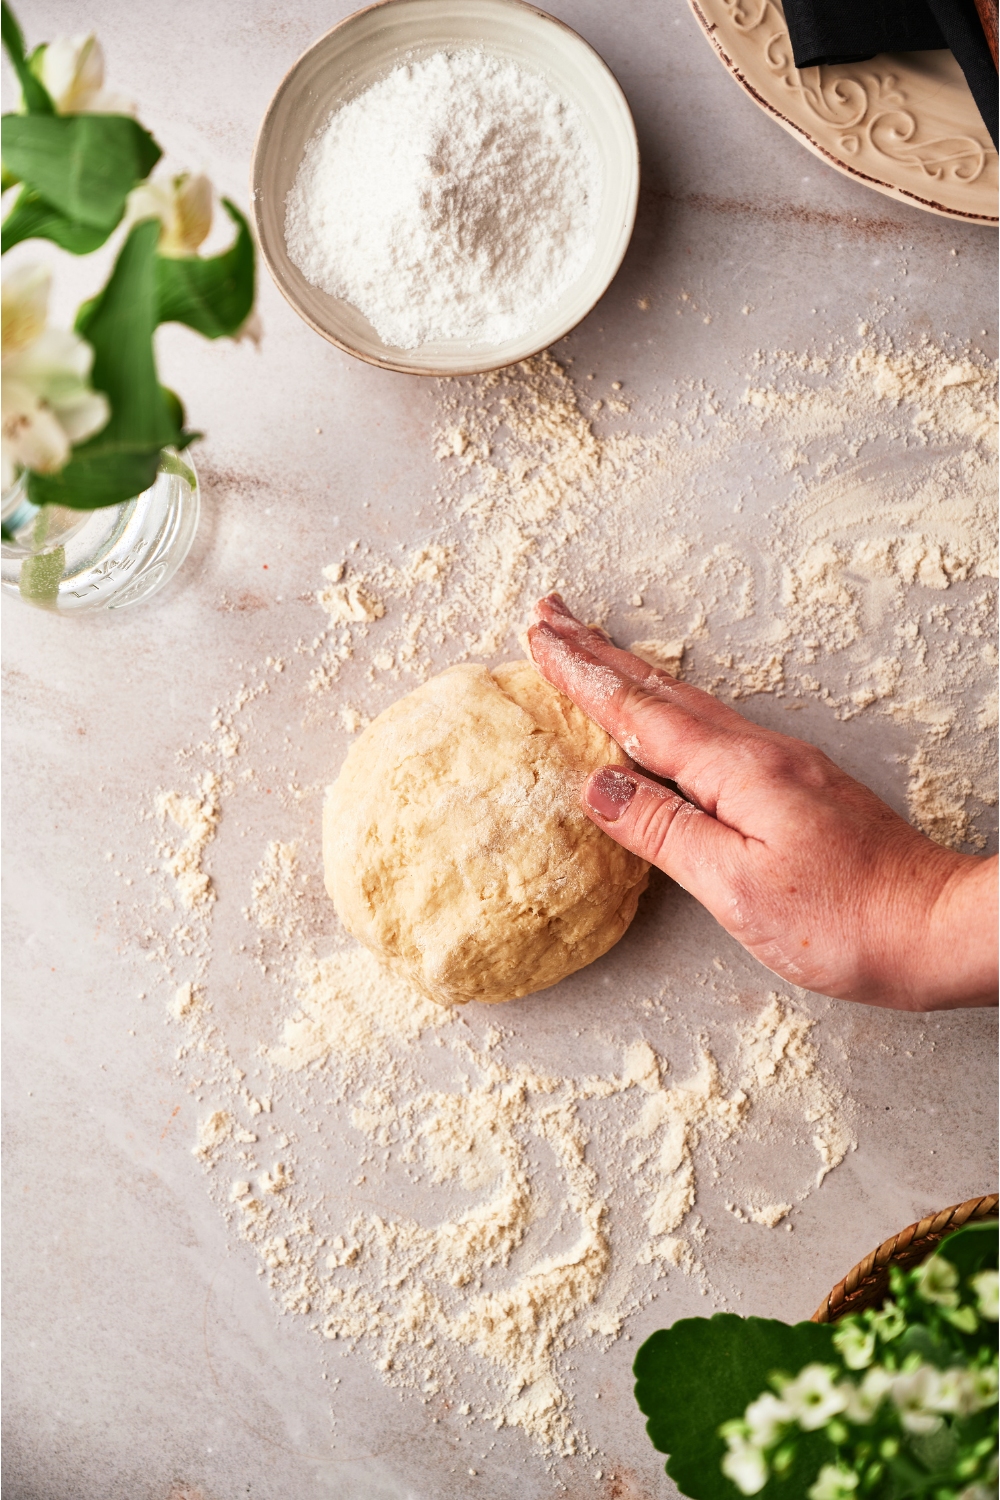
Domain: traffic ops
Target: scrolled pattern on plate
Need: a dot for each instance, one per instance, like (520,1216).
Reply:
(906,125)
(950,156)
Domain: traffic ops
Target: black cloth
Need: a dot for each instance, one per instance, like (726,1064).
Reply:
(838,31)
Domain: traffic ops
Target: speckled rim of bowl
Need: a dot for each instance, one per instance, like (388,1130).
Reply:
(467,359)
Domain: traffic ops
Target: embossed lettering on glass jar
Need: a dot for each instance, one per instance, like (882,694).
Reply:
(70,561)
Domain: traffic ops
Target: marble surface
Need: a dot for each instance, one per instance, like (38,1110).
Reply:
(144,1359)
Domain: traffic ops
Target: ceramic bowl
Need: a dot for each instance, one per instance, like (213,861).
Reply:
(367,46)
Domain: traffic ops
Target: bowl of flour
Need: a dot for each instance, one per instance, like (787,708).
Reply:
(444,187)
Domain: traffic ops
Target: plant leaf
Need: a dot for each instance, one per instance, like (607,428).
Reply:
(171,464)
(31,218)
(83,165)
(36,97)
(212,294)
(972,1248)
(705,1371)
(121,460)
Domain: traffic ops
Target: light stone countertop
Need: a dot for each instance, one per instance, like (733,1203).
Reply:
(144,1360)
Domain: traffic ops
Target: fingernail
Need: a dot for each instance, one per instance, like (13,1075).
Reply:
(608,793)
(557,602)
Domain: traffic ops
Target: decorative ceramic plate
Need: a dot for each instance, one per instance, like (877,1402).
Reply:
(904,123)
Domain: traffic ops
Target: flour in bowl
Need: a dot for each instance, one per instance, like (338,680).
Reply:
(457,198)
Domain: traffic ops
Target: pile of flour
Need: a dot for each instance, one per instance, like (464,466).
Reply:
(455,199)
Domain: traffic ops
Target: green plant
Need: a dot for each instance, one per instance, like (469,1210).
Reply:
(889,1405)
(85,417)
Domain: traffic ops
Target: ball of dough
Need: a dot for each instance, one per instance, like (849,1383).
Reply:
(454,844)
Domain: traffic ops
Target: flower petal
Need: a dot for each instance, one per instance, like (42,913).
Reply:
(24,307)
(72,69)
(82,413)
(32,435)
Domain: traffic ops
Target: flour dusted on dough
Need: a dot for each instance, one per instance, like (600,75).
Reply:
(455,846)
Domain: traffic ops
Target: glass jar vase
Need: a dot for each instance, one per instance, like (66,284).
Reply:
(70,560)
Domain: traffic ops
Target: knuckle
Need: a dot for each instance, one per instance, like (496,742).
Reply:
(658,820)
(782,759)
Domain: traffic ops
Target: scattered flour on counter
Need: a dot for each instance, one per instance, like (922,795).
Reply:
(350,600)
(274,906)
(350,1011)
(198,817)
(937,798)
(898,529)
(667,655)
(771,1214)
(212,1131)
(411,1187)
(456,198)
(782,1061)
(421,1294)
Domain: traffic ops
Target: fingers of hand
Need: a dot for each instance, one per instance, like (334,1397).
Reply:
(552,612)
(681,840)
(647,712)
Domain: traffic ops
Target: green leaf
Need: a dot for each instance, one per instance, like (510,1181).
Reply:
(705,1371)
(31,218)
(36,98)
(83,165)
(212,294)
(972,1248)
(122,459)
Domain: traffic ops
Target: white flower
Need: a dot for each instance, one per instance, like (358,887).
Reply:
(184,207)
(745,1465)
(854,1345)
(987,1289)
(812,1398)
(864,1400)
(916,1395)
(834,1483)
(889,1322)
(979,1389)
(72,70)
(765,1418)
(937,1281)
(956,1392)
(47,403)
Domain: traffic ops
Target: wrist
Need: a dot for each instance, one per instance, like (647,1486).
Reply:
(948,954)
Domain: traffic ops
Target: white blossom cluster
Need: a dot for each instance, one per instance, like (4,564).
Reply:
(47,401)
(822,1396)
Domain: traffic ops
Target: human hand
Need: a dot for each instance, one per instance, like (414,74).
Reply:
(807,868)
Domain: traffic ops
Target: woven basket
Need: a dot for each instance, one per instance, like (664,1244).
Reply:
(867,1284)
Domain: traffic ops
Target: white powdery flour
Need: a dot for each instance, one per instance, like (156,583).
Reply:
(455,199)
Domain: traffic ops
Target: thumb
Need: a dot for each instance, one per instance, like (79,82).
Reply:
(689,845)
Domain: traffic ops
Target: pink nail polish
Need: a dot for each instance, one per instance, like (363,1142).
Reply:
(608,792)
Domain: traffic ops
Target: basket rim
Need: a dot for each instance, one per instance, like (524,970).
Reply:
(912,1245)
